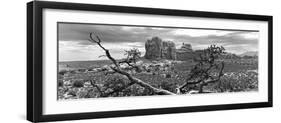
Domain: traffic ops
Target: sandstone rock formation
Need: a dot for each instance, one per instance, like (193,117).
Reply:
(168,50)
(185,48)
(185,52)
(153,48)
(156,48)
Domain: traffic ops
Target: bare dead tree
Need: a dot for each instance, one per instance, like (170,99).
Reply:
(116,68)
(132,56)
(207,71)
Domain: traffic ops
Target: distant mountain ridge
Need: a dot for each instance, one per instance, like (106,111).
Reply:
(250,53)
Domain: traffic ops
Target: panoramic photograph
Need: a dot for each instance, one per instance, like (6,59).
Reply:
(107,60)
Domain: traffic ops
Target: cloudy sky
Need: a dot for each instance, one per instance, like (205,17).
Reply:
(74,44)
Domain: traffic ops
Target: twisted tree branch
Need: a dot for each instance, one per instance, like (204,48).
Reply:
(201,75)
(133,80)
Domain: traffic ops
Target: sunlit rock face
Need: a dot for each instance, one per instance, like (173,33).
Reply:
(153,48)
(185,52)
(185,48)
(156,48)
(168,50)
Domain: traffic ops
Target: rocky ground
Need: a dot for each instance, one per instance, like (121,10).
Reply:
(240,75)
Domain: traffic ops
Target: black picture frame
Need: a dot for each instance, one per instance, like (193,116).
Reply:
(35,69)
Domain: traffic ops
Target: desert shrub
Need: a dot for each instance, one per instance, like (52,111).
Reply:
(60,76)
(114,82)
(78,83)
(93,93)
(62,72)
(82,70)
(82,93)
(168,75)
(60,82)
(166,85)
(148,70)
(90,69)
(72,71)
(237,81)
(72,92)
(134,90)
(132,55)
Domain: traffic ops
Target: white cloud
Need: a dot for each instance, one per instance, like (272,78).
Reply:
(198,33)
(130,28)
(133,44)
(252,35)
(240,48)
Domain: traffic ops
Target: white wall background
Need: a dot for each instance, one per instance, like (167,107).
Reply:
(13,61)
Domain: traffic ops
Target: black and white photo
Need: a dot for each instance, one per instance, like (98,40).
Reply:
(110,60)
